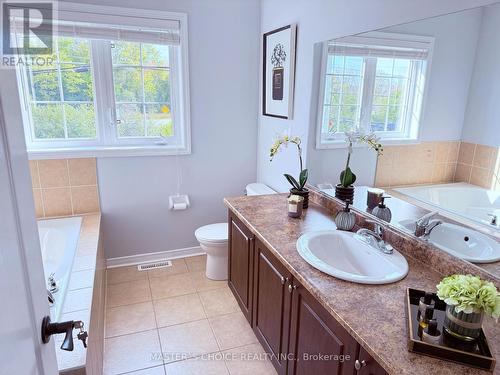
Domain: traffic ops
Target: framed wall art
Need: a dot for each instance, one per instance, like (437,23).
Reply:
(279,72)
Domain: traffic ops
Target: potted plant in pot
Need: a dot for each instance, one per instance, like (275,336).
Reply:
(468,299)
(345,189)
(298,186)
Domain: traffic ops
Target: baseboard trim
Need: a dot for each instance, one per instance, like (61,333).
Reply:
(133,260)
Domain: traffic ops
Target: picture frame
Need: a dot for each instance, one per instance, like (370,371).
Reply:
(278,81)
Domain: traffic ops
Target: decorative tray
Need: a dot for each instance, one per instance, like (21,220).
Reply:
(478,355)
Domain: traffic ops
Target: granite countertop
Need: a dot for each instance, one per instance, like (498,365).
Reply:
(373,314)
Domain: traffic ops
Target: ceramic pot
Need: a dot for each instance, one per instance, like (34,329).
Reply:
(463,326)
(344,193)
(304,193)
(345,220)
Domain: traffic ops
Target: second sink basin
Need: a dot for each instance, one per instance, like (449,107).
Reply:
(347,256)
(461,242)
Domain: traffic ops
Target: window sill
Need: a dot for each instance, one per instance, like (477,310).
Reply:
(121,151)
(385,142)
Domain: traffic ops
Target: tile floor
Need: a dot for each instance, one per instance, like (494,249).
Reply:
(175,321)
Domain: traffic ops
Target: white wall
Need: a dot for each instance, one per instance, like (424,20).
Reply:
(456,37)
(320,20)
(224,69)
(482,119)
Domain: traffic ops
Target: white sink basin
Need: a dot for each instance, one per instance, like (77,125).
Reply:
(461,242)
(347,256)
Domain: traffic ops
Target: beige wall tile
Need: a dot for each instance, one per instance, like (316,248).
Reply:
(53,173)
(57,202)
(384,175)
(85,199)
(482,177)
(442,149)
(82,171)
(466,153)
(35,178)
(427,152)
(388,155)
(37,197)
(453,151)
(483,157)
(439,173)
(462,173)
(450,172)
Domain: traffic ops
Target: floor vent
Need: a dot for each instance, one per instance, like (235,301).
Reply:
(150,266)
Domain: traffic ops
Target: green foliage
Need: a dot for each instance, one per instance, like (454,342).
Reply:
(299,185)
(347,178)
(77,86)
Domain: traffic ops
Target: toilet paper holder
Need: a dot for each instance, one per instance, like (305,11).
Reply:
(178,202)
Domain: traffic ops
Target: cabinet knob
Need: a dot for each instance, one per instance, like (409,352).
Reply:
(291,287)
(358,365)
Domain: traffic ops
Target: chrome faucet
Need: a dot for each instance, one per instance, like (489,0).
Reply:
(422,224)
(375,237)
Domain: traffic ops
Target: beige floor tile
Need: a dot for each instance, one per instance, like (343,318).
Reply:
(218,301)
(232,330)
(158,370)
(178,266)
(180,309)
(248,360)
(123,274)
(211,364)
(131,352)
(128,293)
(187,340)
(196,263)
(170,286)
(127,319)
(201,282)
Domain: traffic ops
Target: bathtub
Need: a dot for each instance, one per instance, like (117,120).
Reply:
(469,201)
(58,242)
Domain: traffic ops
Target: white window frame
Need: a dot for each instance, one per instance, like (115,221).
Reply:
(412,132)
(106,142)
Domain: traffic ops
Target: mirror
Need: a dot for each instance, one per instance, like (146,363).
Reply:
(430,92)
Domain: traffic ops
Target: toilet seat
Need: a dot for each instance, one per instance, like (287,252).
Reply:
(212,233)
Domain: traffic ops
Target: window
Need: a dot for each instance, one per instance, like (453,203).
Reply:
(109,88)
(376,83)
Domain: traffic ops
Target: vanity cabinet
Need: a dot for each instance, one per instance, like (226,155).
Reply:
(301,336)
(318,343)
(368,366)
(240,262)
(271,305)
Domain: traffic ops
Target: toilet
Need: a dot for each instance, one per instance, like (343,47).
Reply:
(213,238)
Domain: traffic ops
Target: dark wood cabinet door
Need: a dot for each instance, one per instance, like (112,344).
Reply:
(368,366)
(240,273)
(271,305)
(318,344)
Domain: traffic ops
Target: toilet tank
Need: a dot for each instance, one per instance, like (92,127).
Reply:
(257,188)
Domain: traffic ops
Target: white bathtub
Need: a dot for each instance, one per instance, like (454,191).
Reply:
(469,201)
(58,242)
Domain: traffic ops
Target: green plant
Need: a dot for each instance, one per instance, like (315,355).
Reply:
(347,177)
(470,294)
(284,141)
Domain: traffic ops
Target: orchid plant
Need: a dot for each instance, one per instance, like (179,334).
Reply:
(347,177)
(275,148)
(470,294)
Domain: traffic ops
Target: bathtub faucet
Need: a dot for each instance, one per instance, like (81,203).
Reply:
(423,226)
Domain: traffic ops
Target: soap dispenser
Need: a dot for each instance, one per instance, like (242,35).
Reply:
(382,211)
(345,219)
